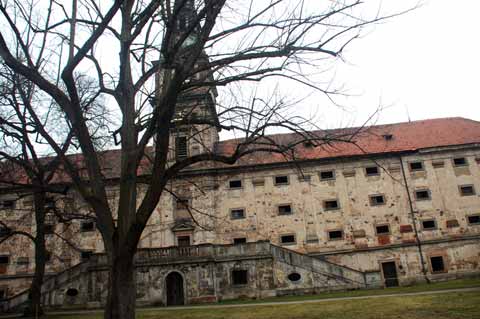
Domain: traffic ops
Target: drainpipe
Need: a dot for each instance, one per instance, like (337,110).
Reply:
(414,222)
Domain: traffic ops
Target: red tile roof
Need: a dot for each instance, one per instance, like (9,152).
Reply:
(408,136)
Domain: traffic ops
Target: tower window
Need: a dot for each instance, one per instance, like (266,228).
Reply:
(87,226)
(181,150)
(429,224)
(382,229)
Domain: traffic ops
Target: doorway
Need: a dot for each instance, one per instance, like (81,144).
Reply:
(175,294)
(389,270)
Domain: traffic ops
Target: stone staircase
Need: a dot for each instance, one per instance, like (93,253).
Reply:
(330,276)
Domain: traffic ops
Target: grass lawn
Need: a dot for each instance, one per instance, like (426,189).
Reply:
(459,305)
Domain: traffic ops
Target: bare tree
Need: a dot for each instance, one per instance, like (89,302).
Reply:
(163,52)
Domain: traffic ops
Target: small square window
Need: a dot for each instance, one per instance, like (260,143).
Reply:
(327,175)
(183,241)
(285,209)
(239,241)
(466,190)
(423,194)
(4,231)
(4,260)
(416,166)
(473,219)
(429,224)
(235,184)
(452,223)
(437,263)
(382,229)
(287,239)
(331,204)
(372,171)
(239,277)
(376,200)
(87,226)
(281,180)
(459,161)
(237,213)
(335,235)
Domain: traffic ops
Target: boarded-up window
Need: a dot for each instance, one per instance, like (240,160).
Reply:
(331,204)
(335,234)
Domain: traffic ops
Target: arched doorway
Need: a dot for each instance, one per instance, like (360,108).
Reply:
(175,294)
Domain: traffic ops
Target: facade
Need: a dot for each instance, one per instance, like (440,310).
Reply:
(342,217)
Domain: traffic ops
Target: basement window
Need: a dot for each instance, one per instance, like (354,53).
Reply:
(429,224)
(235,184)
(335,235)
(4,231)
(437,264)
(466,190)
(284,209)
(181,149)
(287,239)
(281,180)
(239,277)
(473,219)
(423,194)
(460,161)
(87,227)
(382,229)
(376,200)
(237,213)
(239,240)
(331,204)
(49,202)
(372,171)
(327,175)
(416,166)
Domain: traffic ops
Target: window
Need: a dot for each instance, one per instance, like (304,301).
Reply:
(429,224)
(49,202)
(48,229)
(235,184)
(473,219)
(327,175)
(4,260)
(183,241)
(239,277)
(8,204)
(466,190)
(181,150)
(284,209)
(416,166)
(281,180)
(459,161)
(237,213)
(240,240)
(423,194)
(87,226)
(335,235)
(287,239)
(85,255)
(382,229)
(331,204)
(4,231)
(437,264)
(372,171)
(376,200)
(182,203)
(294,277)
(3,294)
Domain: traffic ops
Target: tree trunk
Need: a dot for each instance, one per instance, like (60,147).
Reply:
(34,307)
(122,287)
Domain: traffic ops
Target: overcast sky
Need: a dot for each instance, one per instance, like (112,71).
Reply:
(425,64)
